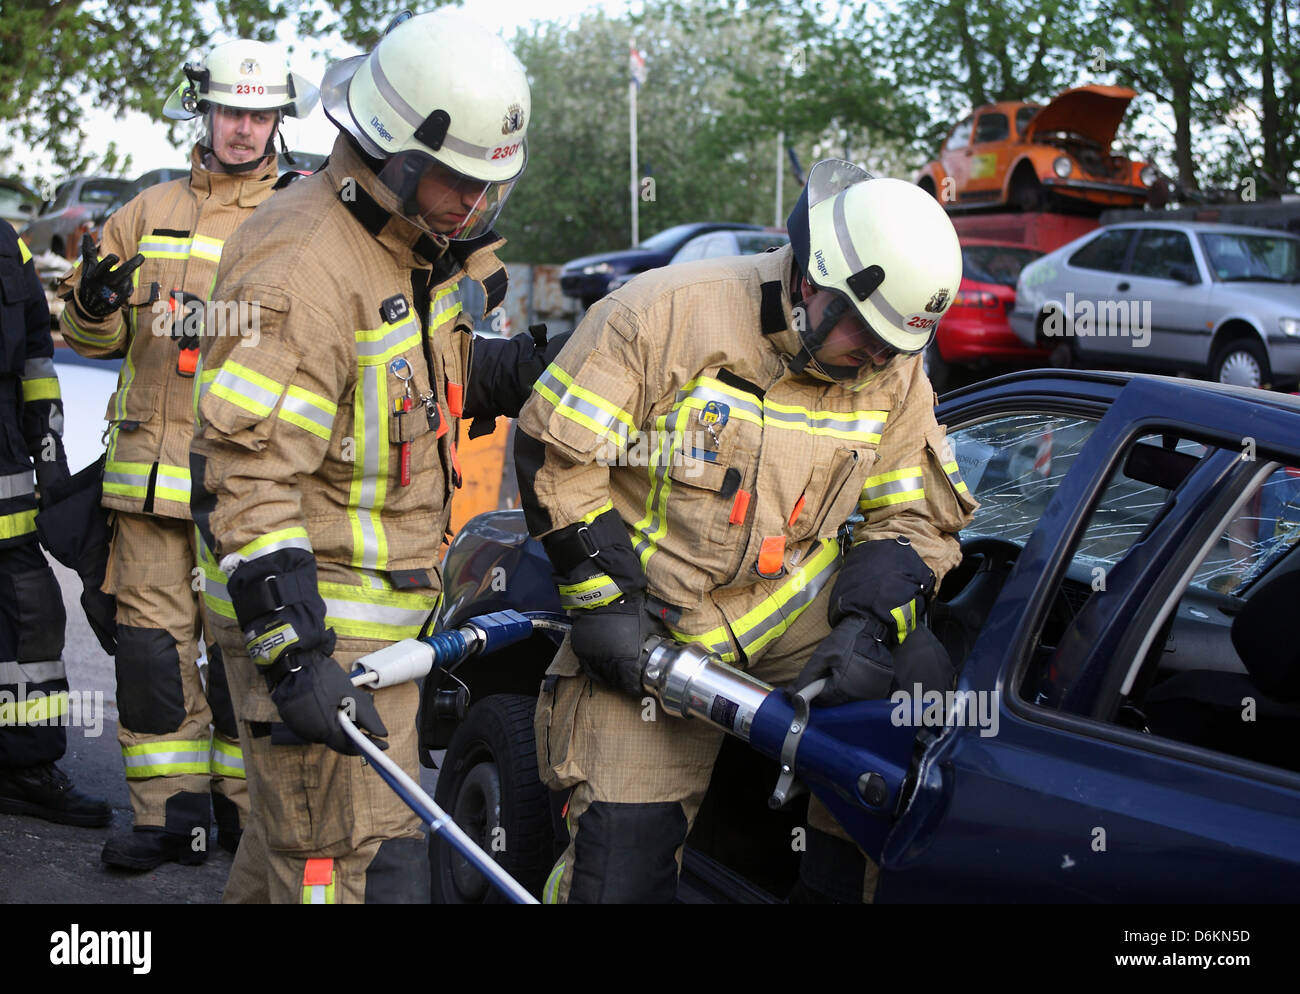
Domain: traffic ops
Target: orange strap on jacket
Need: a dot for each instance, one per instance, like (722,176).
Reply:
(739,508)
(455,399)
(771,556)
(317,872)
(798,509)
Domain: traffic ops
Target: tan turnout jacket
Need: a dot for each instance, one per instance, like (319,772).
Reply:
(735,526)
(300,435)
(180,228)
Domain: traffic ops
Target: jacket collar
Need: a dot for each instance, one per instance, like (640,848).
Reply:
(243,189)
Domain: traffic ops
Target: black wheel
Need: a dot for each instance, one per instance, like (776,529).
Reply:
(488,784)
(1242,362)
(1027,194)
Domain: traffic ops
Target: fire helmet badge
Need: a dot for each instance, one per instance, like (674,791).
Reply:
(938,302)
(249,67)
(513,121)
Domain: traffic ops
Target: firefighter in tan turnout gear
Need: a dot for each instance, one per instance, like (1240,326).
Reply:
(689,462)
(325,459)
(149,310)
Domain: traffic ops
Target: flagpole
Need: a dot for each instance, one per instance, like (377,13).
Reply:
(780,200)
(631,103)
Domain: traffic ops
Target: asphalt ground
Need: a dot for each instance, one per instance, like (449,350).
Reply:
(45,863)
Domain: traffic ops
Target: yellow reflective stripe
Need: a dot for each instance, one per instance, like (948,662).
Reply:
(309,411)
(593,592)
(205,247)
(126,479)
(83,335)
(167,759)
(172,483)
(293,537)
(216,598)
(583,406)
(904,619)
(16,524)
(446,304)
(246,388)
(776,612)
(360,612)
(34,709)
(45,388)
(551,892)
(227,759)
(654,526)
(896,487)
(699,391)
(164,247)
(375,346)
(24,252)
(369,486)
(856,426)
(954,477)
(319,893)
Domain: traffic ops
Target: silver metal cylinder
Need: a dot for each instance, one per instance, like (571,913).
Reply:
(693,683)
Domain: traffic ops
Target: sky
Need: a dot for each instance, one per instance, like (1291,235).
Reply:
(146,139)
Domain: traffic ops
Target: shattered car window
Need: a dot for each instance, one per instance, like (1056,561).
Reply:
(1264,531)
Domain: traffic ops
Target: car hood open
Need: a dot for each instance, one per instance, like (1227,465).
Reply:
(1091,111)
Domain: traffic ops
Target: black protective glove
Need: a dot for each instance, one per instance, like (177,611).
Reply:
(310,694)
(103,289)
(51,478)
(879,578)
(608,641)
(856,664)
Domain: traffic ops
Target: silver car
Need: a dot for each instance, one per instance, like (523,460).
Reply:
(1216,300)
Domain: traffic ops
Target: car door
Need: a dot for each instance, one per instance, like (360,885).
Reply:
(1154,317)
(1103,498)
(987,155)
(955,159)
(1089,278)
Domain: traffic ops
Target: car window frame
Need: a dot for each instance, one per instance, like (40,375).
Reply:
(1132,233)
(987,115)
(1132,254)
(969,122)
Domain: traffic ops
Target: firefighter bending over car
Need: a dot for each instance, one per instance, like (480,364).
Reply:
(781,399)
(149,310)
(325,458)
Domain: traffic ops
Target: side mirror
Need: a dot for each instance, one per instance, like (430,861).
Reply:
(1185,274)
(27,208)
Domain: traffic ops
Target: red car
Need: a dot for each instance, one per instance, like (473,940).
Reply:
(975,332)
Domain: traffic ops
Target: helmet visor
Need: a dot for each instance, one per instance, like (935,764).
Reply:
(416,186)
(839,341)
(832,176)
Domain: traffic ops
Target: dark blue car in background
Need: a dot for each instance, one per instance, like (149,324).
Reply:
(587,279)
(1126,618)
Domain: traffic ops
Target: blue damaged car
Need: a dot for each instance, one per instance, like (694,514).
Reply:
(1125,618)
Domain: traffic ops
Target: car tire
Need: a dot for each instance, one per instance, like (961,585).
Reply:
(1241,362)
(488,782)
(1027,194)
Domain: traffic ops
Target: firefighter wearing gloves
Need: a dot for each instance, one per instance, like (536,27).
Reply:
(33,682)
(141,296)
(689,462)
(325,459)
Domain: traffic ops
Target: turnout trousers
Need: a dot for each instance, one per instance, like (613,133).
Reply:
(324,828)
(180,742)
(638,785)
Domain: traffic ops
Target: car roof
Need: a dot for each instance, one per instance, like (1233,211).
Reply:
(1203,226)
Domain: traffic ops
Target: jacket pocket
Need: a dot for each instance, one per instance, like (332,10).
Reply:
(950,501)
(839,486)
(589,409)
(132,406)
(557,713)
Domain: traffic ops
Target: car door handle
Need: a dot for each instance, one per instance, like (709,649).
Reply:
(1122,286)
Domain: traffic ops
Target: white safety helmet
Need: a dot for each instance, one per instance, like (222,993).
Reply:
(246,74)
(445,105)
(884,247)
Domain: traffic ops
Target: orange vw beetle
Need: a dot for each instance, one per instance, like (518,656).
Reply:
(1021,156)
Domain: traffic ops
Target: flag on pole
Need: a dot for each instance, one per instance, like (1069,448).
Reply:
(636,63)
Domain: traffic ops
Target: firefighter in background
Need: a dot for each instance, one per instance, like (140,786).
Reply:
(325,459)
(774,396)
(33,683)
(149,310)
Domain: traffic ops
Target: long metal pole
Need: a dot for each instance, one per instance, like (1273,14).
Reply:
(780,199)
(631,103)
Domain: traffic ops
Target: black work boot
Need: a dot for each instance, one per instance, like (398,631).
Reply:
(145,848)
(45,791)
